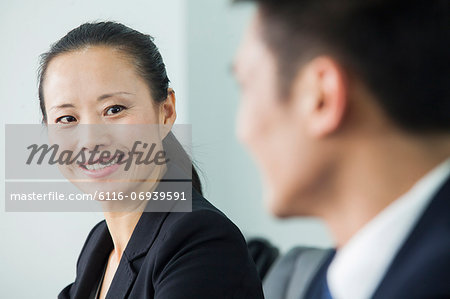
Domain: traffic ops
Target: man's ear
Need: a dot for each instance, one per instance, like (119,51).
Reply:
(322,89)
(167,113)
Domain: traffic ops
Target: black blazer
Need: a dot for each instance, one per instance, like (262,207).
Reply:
(198,254)
(421,268)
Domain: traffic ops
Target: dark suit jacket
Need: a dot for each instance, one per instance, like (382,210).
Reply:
(421,268)
(198,254)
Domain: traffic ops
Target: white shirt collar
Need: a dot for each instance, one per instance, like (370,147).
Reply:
(359,266)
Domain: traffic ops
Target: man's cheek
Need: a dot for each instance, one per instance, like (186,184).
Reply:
(245,122)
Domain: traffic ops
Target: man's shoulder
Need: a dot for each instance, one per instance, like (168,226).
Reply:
(421,268)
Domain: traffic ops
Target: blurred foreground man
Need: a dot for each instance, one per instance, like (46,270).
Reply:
(346,108)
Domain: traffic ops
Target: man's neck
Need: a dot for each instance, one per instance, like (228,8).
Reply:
(374,174)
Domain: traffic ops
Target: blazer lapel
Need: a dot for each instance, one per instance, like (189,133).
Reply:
(140,242)
(144,234)
(431,230)
(92,263)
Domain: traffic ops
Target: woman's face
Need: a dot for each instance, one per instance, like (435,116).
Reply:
(96,101)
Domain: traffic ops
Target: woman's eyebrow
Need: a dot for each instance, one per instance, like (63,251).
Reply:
(108,95)
(68,105)
(102,97)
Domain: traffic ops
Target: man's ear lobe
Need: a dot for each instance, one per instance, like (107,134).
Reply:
(329,101)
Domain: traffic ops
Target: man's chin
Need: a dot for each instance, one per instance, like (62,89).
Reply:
(285,206)
(279,206)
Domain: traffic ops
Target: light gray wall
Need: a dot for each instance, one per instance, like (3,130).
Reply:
(38,251)
(197,38)
(231,179)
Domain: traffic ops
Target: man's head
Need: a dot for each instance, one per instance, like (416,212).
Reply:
(320,76)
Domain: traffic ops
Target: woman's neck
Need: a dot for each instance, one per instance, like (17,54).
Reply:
(121,222)
(121,226)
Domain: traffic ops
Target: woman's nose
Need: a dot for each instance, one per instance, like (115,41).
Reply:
(93,136)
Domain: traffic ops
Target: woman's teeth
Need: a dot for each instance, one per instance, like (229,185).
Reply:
(98,166)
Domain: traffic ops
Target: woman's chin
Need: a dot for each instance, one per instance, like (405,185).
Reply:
(107,190)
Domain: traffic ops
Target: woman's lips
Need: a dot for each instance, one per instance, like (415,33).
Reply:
(99,170)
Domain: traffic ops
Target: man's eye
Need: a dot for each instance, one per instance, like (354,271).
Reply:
(65,119)
(115,109)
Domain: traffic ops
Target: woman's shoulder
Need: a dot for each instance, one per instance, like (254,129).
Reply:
(206,229)
(96,233)
(204,217)
(204,245)
(97,237)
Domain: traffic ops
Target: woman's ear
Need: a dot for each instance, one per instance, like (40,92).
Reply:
(167,113)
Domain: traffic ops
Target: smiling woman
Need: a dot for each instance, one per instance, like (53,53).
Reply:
(108,75)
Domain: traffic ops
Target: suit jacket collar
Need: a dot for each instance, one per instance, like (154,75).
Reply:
(431,232)
(140,242)
(149,223)
(94,256)
(142,238)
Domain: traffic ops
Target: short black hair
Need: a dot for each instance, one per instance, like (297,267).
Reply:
(399,49)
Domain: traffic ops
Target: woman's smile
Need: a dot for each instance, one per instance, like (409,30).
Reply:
(100,169)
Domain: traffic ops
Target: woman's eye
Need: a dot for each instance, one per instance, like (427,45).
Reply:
(65,119)
(115,109)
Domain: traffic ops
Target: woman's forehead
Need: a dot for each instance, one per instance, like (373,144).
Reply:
(95,70)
